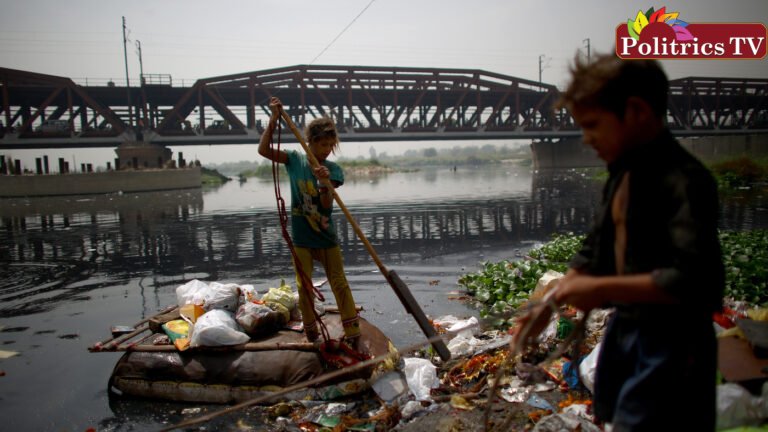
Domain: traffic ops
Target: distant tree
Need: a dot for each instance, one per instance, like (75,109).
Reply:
(430,152)
(488,149)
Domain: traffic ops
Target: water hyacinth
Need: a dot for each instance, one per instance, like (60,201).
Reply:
(745,256)
(500,287)
(503,286)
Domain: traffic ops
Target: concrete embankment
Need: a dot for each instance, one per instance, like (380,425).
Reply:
(99,182)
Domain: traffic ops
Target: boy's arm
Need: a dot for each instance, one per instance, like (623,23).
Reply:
(588,292)
(326,196)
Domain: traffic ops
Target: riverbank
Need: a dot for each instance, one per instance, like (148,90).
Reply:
(380,163)
(535,389)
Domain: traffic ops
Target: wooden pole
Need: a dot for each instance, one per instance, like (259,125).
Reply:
(402,291)
(250,346)
(327,182)
(101,346)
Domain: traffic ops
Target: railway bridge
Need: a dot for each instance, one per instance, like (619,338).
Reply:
(367,103)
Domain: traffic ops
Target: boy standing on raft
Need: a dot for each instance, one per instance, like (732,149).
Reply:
(312,228)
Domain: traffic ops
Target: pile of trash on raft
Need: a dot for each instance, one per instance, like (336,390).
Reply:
(239,355)
(225,343)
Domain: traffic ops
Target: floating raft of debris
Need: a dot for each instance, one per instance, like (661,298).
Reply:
(153,367)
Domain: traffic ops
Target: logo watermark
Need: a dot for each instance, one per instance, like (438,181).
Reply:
(658,34)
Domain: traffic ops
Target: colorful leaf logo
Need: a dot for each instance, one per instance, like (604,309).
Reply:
(636,26)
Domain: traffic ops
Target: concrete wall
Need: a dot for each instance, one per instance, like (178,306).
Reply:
(565,153)
(572,153)
(717,149)
(99,182)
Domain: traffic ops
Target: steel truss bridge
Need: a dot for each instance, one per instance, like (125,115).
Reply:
(367,103)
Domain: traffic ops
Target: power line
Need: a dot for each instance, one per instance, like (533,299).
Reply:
(342,32)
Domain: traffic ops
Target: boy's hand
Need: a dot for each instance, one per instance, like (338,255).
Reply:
(275,105)
(322,172)
(580,291)
(530,325)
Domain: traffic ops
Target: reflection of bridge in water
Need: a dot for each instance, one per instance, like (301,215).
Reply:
(168,232)
(49,243)
(368,103)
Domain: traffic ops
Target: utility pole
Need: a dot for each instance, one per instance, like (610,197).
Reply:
(127,80)
(141,85)
(588,53)
(141,63)
(541,64)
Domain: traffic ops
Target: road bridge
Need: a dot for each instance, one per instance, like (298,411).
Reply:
(368,104)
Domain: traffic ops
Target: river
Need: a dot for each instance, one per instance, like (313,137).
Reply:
(70,268)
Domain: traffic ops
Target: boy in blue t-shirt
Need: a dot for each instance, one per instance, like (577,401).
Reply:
(314,235)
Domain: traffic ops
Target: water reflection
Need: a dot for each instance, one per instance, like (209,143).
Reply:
(168,233)
(744,209)
(47,243)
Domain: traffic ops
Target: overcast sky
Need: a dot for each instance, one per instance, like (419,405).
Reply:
(197,39)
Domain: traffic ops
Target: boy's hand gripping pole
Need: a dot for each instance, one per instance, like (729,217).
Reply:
(402,291)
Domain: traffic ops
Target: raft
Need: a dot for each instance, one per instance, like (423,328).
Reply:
(262,367)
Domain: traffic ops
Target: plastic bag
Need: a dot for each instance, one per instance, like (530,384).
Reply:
(282,295)
(217,328)
(546,282)
(259,319)
(249,294)
(210,296)
(222,296)
(421,376)
(736,406)
(191,292)
(588,368)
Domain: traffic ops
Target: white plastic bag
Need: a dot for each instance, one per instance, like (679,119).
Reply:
(222,296)
(217,328)
(192,292)
(588,367)
(736,406)
(210,296)
(248,293)
(421,376)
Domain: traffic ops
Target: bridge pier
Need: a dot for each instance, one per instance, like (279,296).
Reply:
(563,153)
(712,149)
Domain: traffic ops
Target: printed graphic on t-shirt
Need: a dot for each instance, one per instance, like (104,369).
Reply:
(308,207)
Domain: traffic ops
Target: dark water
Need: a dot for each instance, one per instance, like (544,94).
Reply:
(72,267)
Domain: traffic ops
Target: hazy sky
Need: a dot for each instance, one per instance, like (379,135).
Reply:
(197,39)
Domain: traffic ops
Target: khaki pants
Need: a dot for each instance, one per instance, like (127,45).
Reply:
(334,270)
